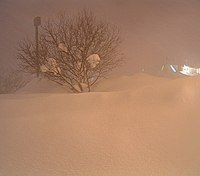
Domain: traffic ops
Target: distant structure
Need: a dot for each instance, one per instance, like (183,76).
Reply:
(169,69)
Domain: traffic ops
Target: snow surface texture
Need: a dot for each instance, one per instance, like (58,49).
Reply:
(151,129)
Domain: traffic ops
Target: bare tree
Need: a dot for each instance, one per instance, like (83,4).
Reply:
(11,81)
(75,51)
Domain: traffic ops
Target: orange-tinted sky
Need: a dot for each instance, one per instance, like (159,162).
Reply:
(151,29)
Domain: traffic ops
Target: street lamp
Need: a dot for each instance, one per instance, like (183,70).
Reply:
(37,23)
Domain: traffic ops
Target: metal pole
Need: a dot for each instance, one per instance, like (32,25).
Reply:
(37,23)
(37,54)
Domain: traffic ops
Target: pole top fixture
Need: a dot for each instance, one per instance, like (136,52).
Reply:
(37,21)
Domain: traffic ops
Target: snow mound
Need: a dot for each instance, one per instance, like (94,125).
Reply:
(122,83)
(129,82)
(151,130)
(41,85)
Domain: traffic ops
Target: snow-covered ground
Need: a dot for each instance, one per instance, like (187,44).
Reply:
(41,85)
(143,126)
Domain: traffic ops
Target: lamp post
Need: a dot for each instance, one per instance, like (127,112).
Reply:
(37,23)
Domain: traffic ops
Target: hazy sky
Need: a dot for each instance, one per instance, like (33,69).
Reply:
(151,29)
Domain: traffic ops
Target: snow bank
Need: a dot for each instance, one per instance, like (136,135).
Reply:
(152,130)
(112,84)
(41,85)
(128,82)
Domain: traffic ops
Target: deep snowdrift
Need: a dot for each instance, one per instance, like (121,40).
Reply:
(41,85)
(128,82)
(149,130)
(123,83)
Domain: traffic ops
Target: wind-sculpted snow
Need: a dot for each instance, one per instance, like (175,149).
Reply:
(41,85)
(152,129)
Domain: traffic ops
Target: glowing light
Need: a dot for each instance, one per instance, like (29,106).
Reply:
(189,71)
